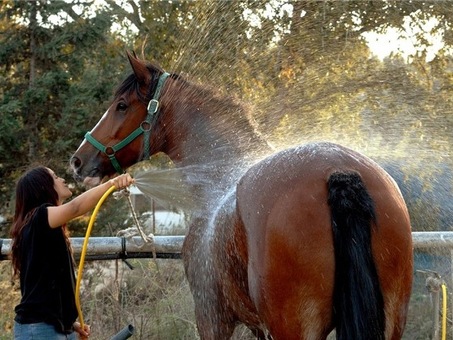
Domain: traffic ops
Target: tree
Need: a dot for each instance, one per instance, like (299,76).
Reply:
(53,80)
(304,67)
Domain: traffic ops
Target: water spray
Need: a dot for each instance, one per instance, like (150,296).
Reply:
(169,186)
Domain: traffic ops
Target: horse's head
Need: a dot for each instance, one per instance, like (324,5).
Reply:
(122,136)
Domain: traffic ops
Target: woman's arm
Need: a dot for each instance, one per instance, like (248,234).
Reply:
(59,215)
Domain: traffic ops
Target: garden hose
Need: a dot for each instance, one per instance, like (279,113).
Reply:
(444,311)
(84,250)
(125,333)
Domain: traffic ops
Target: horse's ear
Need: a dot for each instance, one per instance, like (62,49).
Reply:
(139,68)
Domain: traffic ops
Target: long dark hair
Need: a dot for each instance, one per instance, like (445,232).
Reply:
(33,189)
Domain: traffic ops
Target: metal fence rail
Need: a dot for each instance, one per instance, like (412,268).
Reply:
(433,239)
(108,248)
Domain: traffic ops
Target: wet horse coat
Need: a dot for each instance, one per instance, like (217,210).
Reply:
(306,240)
(290,241)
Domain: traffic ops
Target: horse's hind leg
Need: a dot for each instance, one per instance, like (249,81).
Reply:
(393,256)
(396,314)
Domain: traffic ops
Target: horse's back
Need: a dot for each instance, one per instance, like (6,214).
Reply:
(283,204)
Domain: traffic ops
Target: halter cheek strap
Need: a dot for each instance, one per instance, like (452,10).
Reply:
(153,109)
(145,128)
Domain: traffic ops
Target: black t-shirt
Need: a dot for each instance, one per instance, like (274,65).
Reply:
(47,279)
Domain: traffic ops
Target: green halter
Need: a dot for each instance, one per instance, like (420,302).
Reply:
(145,128)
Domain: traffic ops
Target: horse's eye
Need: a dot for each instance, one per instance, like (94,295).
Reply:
(121,106)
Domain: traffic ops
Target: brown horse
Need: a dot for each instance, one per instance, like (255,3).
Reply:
(307,240)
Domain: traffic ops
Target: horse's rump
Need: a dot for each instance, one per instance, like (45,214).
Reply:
(283,202)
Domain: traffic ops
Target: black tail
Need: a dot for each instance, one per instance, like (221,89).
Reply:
(358,302)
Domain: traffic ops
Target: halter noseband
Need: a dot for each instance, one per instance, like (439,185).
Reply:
(145,128)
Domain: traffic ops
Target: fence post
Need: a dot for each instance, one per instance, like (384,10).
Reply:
(433,284)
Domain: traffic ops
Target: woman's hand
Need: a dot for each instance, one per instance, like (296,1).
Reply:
(122,181)
(83,333)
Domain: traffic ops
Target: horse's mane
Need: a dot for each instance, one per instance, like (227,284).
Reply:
(231,114)
(226,108)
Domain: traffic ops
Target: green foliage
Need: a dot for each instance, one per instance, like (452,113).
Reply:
(304,67)
(54,83)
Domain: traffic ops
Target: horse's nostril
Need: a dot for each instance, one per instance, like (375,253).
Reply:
(75,162)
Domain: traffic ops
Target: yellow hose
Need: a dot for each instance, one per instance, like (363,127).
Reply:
(84,250)
(444,312)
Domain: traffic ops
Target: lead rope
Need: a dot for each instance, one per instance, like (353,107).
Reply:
(146,239)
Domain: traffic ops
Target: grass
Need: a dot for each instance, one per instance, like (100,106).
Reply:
(9,298)
(155,298)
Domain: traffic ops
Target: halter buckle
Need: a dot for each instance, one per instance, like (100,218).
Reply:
(153,106)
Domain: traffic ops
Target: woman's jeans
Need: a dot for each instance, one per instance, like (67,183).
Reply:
(39,331)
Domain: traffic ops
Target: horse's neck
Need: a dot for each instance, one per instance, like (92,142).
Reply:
(212,175)
(209,139)
(212,134)
(212,170)
(221,162)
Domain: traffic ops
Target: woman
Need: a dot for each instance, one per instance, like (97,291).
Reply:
(42,255)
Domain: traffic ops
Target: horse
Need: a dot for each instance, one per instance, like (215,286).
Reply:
(292,243)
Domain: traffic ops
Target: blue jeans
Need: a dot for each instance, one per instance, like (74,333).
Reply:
(39,331)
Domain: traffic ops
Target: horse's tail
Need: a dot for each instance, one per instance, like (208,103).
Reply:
(357,297)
